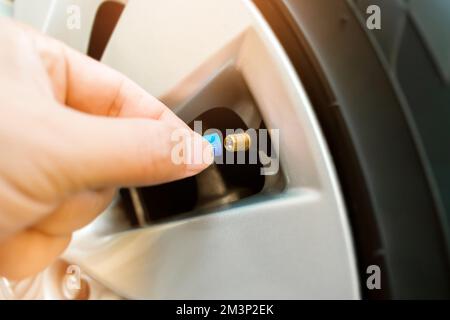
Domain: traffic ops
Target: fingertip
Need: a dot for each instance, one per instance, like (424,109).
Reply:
(202,157)
(208,152)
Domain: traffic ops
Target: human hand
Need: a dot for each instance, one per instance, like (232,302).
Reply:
(71,131)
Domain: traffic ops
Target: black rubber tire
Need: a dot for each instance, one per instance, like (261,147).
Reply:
(395,223)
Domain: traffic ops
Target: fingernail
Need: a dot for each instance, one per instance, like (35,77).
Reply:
(202,155)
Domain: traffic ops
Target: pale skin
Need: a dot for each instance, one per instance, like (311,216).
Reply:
(71,132)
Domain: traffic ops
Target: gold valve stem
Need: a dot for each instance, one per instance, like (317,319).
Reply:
(237,142)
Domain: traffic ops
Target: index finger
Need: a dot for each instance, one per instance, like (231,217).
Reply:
(92,87)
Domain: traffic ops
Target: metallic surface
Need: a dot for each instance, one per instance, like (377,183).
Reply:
(293,245)
(237,142)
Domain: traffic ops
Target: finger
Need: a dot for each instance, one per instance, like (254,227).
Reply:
(89,86)
(29,252)
(75,212)
(128,152)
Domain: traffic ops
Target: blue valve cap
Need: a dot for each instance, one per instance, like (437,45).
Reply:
(216,143)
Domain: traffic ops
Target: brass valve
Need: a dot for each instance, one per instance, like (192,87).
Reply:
(237,142)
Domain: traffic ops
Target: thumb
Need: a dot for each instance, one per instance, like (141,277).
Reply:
(112,152)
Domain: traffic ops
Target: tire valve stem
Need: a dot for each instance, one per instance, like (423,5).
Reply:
(237,142)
